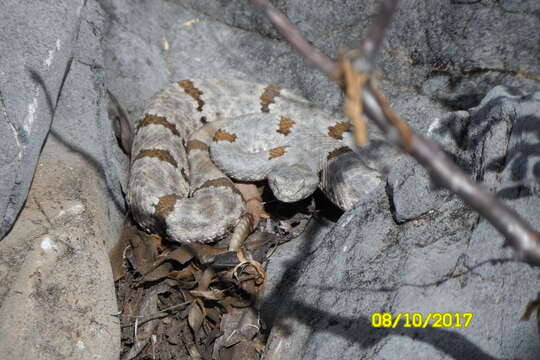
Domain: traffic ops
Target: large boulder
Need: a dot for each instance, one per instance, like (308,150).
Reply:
(59,162)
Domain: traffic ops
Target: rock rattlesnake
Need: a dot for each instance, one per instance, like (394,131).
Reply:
(263,131)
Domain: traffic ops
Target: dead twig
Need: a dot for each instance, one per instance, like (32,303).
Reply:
(313,55)
(519,235)
(139,320)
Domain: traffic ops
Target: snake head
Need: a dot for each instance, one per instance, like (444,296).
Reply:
(293,183)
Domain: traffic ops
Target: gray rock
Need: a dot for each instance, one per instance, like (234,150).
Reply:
(447,260)
(56,289)
(57,297)
(455,52)
(43,54)
(81,121)
(37,59)
(520,177)
(520,6)
(502,112)
(476,139)
(411,190)
(321,315)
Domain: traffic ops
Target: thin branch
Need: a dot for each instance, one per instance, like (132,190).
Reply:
(372,42)
(520,236)
(313,55)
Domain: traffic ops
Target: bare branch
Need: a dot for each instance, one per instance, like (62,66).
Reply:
(520,236)
(370,45)
(313,55)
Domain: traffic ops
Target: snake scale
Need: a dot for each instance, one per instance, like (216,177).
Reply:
(195,135)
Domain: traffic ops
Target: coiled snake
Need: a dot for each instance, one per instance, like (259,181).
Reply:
(195,134)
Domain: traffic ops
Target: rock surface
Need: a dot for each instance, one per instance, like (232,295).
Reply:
(56,290)
(411,190)
(57,45)
(57,297)
(445,260)
(390,253)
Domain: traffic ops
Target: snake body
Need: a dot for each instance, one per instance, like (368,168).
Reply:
(251,132)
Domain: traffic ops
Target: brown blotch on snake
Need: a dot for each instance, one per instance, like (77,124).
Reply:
(196,145)
(165,205)
(219,182)
(163,155)
(192,91)
(276,152)
(337,130)
(285,125)
(222,135)
(335,153)
(157,120)
(267,97)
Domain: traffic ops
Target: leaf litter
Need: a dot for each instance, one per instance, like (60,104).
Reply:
(196,301)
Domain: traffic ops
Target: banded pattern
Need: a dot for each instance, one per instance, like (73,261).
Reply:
(263,130)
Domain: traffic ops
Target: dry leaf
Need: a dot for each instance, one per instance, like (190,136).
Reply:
(143,251)
(206,254)
(213,294)
(143,335)
(182,274)
(116,254)
(194,353)
(233,302)
(186,295)
(214,315)
(160,272)
(239,327)
(182,254)
(196,315)
(206,279)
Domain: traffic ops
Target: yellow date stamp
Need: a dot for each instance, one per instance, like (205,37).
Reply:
(419,320)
